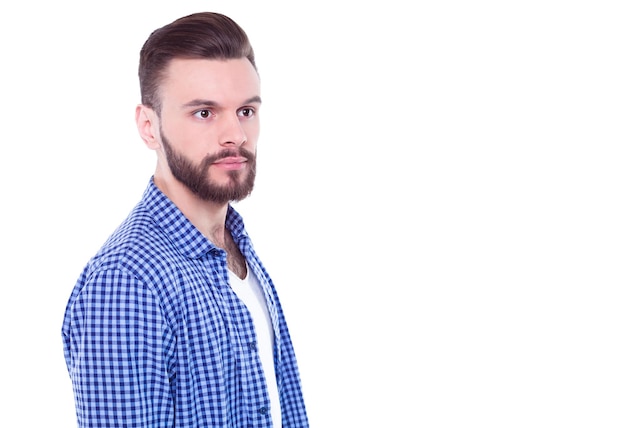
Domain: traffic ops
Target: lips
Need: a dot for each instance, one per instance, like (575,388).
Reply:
(231,162)
(231,159)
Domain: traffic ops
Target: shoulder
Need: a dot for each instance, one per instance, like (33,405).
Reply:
(139,248)
(136,246)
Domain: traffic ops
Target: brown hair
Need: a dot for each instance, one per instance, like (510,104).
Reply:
(205,35)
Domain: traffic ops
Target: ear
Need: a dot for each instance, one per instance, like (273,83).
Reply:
(147,125)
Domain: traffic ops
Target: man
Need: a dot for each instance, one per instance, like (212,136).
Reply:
(175,321)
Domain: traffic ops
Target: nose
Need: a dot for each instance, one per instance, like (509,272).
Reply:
(232,132)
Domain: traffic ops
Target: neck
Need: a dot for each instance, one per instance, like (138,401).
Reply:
(208,217)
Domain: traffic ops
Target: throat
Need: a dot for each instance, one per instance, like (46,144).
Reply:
(235,260)
(237,264)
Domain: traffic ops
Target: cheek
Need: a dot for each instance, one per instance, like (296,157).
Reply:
(184,137)
(252,131)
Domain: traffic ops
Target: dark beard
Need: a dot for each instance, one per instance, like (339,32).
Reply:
(196,177)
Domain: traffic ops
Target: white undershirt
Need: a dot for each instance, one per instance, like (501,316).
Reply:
(250,292)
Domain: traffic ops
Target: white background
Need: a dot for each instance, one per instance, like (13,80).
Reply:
(440,199)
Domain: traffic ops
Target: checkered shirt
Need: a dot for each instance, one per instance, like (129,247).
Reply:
(154,336)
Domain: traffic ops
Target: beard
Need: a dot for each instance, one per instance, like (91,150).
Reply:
(197,178)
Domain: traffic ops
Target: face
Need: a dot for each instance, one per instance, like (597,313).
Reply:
(209,126)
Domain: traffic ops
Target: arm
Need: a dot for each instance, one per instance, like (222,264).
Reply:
(119,350)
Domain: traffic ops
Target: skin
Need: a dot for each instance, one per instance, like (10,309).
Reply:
(207,106)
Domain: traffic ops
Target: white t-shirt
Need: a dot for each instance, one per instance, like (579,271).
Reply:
(250,292)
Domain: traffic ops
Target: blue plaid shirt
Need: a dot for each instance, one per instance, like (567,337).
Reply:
(154,336)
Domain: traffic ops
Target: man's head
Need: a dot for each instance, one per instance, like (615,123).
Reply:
(200,101)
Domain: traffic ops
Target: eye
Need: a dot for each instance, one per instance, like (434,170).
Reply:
(203,114)
(247,112)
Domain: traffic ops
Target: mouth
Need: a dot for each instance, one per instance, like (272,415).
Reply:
(231,162)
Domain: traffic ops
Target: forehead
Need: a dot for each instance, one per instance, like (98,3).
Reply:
(222,81)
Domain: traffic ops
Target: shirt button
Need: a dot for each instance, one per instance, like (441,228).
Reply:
(263,410)
(252,346)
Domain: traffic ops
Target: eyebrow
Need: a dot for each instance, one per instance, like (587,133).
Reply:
(198,102)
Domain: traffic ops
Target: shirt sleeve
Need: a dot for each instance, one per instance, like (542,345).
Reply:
(119,350)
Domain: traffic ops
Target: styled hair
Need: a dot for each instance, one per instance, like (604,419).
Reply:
(205,35)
